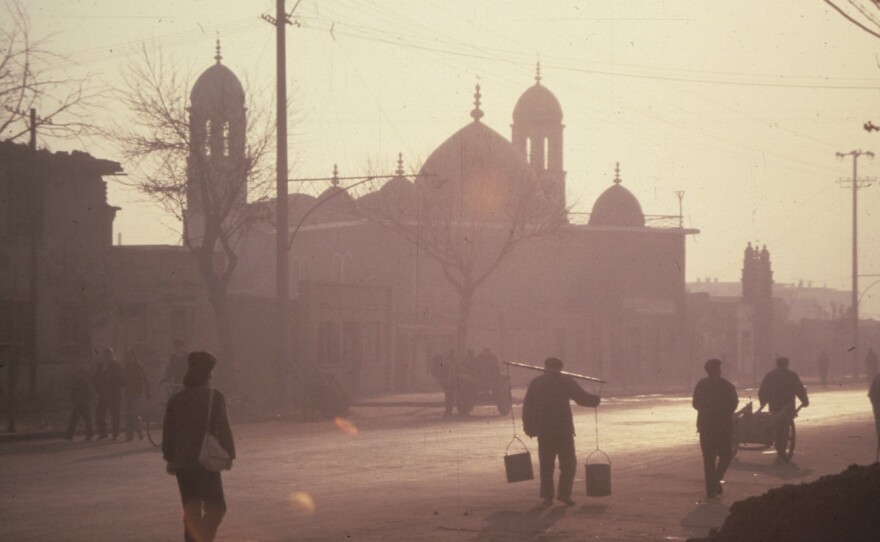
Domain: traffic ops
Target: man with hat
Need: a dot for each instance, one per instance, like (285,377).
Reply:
(547,415)
(715,400)
(184,429)
(778,390)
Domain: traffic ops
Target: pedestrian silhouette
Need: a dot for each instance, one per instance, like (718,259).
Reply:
(108,386)
(823,362)
(778,390)
(183,433)
(715,400)
(547,415)
(81,396)
(136,388)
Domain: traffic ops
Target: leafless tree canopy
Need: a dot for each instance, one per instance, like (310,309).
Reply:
(61,104)
(865,14)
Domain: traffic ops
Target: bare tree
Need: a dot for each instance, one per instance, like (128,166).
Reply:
(865,14)
(175,171)
(61,103)
(468,235)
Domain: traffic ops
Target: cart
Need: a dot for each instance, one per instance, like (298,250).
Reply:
(483,389)
(754,430)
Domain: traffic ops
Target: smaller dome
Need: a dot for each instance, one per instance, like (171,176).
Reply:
(617,207)
(217,88)
(537,104)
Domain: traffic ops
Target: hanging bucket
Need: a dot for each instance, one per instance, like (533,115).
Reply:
(518,466)
(598,476)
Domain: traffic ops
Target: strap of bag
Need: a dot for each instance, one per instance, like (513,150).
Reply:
(210,404)
(515,439)
(512,419)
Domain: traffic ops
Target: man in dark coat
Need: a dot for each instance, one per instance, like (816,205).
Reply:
(547,415)
(81,394)
(108,386)
(778,390)
(186,422)
(715,400)
(136,387)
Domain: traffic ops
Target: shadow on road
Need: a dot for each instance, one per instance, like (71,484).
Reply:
(783,471)
(533,524)
(705,516)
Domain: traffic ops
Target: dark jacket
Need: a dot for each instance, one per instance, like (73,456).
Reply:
(546,410)
(135,379)
(80,387)
(186,418)
(108,380)
(779,388)
(715,400)
(874,393)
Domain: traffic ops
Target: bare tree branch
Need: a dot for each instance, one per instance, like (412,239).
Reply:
(62,105)
(851,19)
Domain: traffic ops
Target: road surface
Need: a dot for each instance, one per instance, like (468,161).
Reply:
(409,474)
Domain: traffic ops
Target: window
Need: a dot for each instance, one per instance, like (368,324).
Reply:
(225,139)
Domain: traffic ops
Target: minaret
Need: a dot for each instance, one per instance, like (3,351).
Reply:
(537,134)
(216,167)
(757,287)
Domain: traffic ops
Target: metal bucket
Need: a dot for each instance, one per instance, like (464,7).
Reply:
(518,466)
(598,476)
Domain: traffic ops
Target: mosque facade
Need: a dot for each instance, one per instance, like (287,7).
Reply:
(605,294)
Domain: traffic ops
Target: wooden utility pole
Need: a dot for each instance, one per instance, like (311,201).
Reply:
(855,251)
(282,268)
(36,220)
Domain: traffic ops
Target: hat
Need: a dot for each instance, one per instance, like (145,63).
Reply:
(201,360)
(713,364)
(553,364)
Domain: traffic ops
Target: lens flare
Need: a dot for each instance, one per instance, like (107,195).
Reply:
(345,426)
(302,502)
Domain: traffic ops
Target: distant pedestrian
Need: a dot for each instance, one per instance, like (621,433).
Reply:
(108,386)
(715,400)
(778,390)
(871,365)
(874,395)
(136,388)
(81,395)
(186,423)
(547,415)
(176,368)
(823,362)
(445,370)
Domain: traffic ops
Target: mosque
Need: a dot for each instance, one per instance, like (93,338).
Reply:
(373,305)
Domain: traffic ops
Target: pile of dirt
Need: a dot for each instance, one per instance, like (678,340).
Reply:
(843,506)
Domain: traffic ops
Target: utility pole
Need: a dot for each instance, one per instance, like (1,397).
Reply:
(282,281)
(855,250)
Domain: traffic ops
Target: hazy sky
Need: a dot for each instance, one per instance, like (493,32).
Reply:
(740,104)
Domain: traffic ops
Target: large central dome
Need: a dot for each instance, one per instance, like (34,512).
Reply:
(476,169)
(217,89)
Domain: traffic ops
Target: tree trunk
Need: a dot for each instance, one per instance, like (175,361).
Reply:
(466,301)
(227,367)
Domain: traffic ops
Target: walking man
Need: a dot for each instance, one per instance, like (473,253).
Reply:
(715,400)
(778,390)
(823,362)
(108,386)
(81,394)
(874,395)
(547,415)
(186,423)
(136,387)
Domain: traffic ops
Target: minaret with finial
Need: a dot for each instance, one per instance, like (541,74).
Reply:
(617,179)
(536,133)
(217,120)
(399,171)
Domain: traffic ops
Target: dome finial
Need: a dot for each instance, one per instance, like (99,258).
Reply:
(399,170)
(538,73)
(617,173)
(335,180)
(477,113)
(218,57)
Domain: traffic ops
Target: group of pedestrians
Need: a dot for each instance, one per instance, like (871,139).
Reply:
(459,377)
(715,400)
(111,386)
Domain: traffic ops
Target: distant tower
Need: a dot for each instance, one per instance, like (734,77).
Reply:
(757,288)
(537,134)
(216,166)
